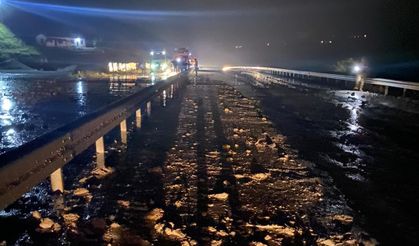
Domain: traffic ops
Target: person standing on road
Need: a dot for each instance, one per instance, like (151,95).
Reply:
(196,66)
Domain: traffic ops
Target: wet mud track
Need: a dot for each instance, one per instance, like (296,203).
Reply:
(207,169)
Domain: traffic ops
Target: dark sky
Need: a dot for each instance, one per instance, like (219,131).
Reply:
(294,29)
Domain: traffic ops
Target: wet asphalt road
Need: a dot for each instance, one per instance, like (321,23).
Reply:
(207,177)
(367,142)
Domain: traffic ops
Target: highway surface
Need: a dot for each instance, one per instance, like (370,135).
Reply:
(182,178)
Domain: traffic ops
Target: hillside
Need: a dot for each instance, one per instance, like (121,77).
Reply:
(12,47)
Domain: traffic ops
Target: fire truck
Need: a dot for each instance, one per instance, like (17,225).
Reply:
(182,59)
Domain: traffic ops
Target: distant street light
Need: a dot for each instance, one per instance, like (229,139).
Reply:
(165,60)
(152,53)
(77,42)
(357,68)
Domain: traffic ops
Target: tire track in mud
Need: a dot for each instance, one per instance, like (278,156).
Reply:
(180,171)
(200,164)
(202,171)
(226,183)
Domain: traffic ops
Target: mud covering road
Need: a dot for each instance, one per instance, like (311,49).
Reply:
(207,168)
(232,180)
(365,141)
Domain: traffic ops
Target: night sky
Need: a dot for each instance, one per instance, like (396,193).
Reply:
(287,33)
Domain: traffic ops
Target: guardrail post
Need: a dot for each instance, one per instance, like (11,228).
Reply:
(164,95)
(100,152)
(100,145)
(148,109)
(100,160)
(138,118)
(360,81)
(57,183)
(385,90)
(404,92)
(171,91)
(123,127)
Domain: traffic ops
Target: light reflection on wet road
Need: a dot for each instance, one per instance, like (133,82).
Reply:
(30,108)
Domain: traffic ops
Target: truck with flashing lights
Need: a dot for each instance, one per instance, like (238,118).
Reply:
(181,59)
(159,63)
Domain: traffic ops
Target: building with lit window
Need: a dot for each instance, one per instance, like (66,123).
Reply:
(61,42)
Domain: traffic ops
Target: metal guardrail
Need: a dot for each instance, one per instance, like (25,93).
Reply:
(26,166)
(394,83)
(373,81)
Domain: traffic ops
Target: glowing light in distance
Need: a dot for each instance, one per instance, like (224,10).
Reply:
(152,53)
(163,52)
(178,60)
(357,68)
